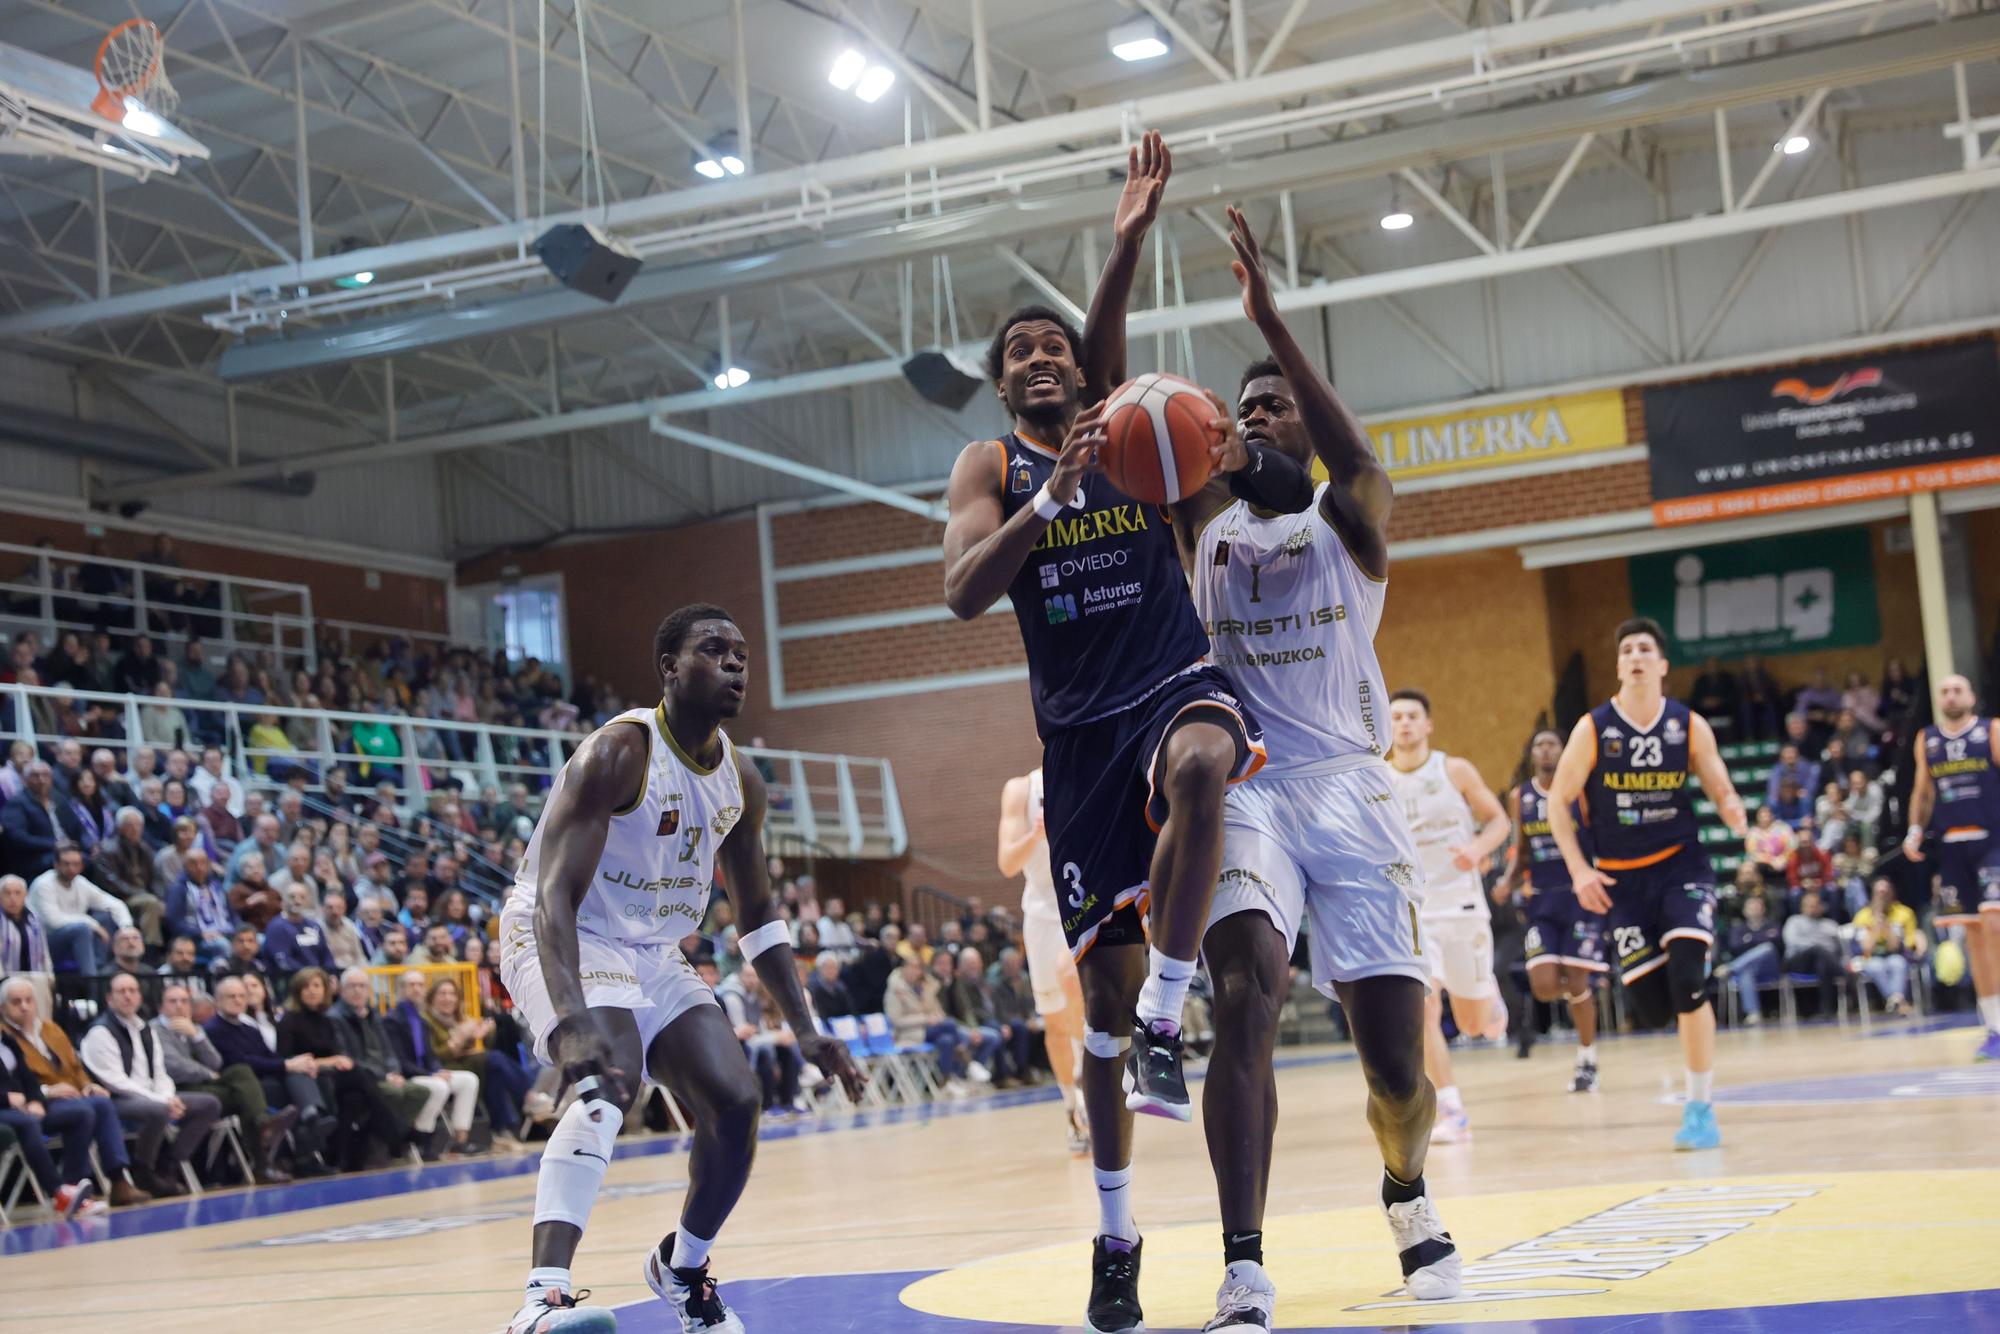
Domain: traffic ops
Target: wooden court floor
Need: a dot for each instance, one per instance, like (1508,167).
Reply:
(1858,1187)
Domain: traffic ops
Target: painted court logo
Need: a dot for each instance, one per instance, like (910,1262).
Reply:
(1622,1244)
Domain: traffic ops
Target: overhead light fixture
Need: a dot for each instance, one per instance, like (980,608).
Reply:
(1793,144)
(1141,39)
(1397,218)
(719,159)
(854,72)
(361,278)
(874,83)
(733,378)
(710,168)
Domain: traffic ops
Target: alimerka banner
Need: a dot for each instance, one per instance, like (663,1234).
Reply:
(1522,432)
(1828,433)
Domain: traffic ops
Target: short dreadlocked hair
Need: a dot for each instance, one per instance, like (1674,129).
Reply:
(996,349)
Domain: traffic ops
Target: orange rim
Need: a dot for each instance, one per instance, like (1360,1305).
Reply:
(110,97)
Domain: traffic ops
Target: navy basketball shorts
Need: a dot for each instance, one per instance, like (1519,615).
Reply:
(1563,931)
(1653,905)
(1969,871)
(1104,801)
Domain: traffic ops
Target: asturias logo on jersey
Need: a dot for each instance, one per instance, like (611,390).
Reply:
(1060,609)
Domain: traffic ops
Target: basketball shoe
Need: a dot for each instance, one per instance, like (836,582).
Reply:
(1432,1267)
(1154,1082)
(1989,1050)
(1247,1299)
(691,1293)
(1585,1078)
(1114,1290)
(551,1311)
(1698,1129)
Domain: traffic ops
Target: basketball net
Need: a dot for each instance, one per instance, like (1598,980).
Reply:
(130,68)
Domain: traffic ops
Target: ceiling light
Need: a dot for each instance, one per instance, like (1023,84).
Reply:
(733,378)
(847,69)
(1793,144)
(732,164)
(710,168)
(874,83)
(1397,220)
(1141,39)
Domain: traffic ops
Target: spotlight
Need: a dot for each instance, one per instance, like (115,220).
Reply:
(1792,145)
(874,83)
(733,378)
(1141,39)
(1396,220)
(847,69)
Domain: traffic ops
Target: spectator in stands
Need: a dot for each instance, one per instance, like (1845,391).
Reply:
(217,821)
(437,947)
(457,1039)
(410,1037)
(128,956)
(68,764)
(291,1082)
(1009,1041)
(263,841)
(1856,741)
(369,1128)
(292,824)
(1865,801)
(773,1052)
(1812,945)
(196,1067)
(297,870)
(868,976)
(152,805)
(87,818)
(982,1042)
(1791,768)
(25,1115)
(1770,842)
(835,934)
(917,944)
(916,1016)
(294,939)
(1807,853)
(1830,817)
(29,827)
(251,897)
(343,939)
(1717,697)
(378,872)
(109,781)
(364,1042)
(125,1055)
(196,680)
(79,1108)
(1819,702)
(455,911)
(14,774)
(383,811)
(198,906)
(170,862)
(164,724)
(1899,693)
(416,913)
(24,946)
(77,916)
(829,995)
(183,965)
(346,860)
(394,951)
(1890,942)
(245,958)
(125,868)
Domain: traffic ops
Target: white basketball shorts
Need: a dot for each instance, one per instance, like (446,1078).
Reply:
(1049,960)
(1459,952)
(1333,845)
(655,982)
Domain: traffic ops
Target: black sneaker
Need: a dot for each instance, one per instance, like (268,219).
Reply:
(1114,1290)
(1584,1080)
(1154,1082)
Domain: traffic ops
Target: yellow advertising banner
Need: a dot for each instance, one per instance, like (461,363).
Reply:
(1542,428)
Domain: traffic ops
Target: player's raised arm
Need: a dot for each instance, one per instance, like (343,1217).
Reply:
(1572,773)
(984,550)
(1103,350)
(606,775)
(1493,820)
(1923,796)
(1705,758)
(1017,834)
(1359,498)
(764,937)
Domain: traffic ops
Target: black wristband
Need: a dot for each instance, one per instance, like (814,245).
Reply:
(1272,480)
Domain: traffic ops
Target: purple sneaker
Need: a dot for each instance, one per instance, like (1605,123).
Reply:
(1989,1050)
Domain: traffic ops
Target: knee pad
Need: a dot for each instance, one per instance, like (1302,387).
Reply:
(1651,1007)
(1105,1045)
(575,1161)
(1687,974)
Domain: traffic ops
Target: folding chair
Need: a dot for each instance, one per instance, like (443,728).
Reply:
(228,1133)
(914,1063)
(10,1161)
(874,1067)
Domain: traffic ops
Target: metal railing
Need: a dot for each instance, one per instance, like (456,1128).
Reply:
(237,613)
(842,802)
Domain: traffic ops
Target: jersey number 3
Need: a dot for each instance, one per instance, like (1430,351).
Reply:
(690,842)
(1073,876)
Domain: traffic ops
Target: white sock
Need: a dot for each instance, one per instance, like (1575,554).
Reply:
(1449,1101)
(1166,988)
(574,1162)
(1114,1204)
(1700,1085)
(1989,1010)
(1586,1055)
(690,1251)
(539,1279)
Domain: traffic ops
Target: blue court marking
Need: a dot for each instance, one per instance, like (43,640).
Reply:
(236,1206)
(1937,1023)
(868,1304)
(1970,1081)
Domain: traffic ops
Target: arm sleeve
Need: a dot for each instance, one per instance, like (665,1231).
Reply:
(1274,481)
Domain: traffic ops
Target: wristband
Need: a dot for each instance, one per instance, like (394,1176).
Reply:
(1046,505)
(763,938)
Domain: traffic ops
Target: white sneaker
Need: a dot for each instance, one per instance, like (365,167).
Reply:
(1432,1267)
(1452,1128)
(692,1295)
(1246,1300)
(980,1074)
(553,1312)
(955,1089)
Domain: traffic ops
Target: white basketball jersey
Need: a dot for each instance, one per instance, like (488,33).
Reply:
(1439,820)
(1038,895)
(1292,617)
(652,883)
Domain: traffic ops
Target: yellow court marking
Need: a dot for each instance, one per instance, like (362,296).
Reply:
(1600,1250)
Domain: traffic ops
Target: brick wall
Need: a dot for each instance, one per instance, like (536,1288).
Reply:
(1562,495)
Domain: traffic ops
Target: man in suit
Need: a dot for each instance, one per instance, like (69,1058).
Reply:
(28,825)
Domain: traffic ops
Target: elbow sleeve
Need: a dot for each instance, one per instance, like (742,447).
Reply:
(1274,481)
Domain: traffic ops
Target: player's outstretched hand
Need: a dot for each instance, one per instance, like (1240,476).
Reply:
(1079,454)
(834,1060)
(1148,166)
(583,1053)
(1248,266)
(1591,889)
(1228,453)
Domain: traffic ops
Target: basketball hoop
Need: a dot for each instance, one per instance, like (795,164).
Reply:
(130,68)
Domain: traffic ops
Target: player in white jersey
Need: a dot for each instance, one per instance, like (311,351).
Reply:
(1456,823)
(616,875)
(1291,602)
(1024,851)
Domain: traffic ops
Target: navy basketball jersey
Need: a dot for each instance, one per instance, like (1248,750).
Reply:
(1637,801)
(1546,870)
(1102,600)
(1968,787)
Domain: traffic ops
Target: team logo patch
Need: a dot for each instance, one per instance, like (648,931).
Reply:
(1221,553)
(1613,747)
(1674,732)
(670,823)
(725,820)
(1298,542)
(1401,874)
(1022,480)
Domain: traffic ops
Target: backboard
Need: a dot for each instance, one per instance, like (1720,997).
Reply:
(45,111)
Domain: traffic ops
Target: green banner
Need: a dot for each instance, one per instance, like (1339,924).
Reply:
(1770,595)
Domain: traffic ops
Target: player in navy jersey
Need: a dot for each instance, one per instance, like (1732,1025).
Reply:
(1957,798)
(1565,942)
(1139,734)
(1628,763)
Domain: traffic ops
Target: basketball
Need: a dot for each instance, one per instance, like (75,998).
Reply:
(1949,964)
(1157,438)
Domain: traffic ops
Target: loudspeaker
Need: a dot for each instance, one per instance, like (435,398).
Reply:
(942,380)
(588,261)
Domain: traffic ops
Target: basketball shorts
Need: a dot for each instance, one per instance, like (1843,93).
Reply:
(1969,871)
(1332,846)
(1459,953)
(1103,800)
(655,982)
(1652,905)
(1561,930)
(1049,963)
